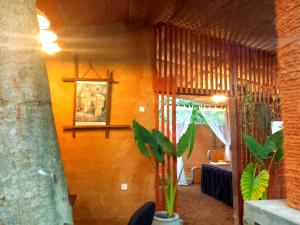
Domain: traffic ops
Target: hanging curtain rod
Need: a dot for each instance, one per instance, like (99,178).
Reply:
(213,106)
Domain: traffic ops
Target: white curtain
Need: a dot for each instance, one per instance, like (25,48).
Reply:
(183,118)
(218,121)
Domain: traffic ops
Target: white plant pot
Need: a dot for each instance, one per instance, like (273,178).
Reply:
(160,218)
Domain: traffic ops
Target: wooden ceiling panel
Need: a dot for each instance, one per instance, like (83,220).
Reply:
(138,10)
(85,13)
(245,22)
(241,21)
(50,8)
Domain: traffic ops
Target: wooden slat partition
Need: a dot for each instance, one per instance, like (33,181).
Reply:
(166,67)
(205,64)
(189,63)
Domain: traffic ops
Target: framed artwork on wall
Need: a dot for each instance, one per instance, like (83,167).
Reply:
(91,99)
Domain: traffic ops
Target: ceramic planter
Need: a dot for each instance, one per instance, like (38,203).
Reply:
(160,218)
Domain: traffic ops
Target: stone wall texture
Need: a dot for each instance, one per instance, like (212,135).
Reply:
(288,28)
(32,186)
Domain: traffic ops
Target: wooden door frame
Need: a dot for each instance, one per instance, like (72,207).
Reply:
(235,161)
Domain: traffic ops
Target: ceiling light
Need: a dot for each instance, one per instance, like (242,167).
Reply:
(219,98)
(43,21)
(51,47)
(47,36)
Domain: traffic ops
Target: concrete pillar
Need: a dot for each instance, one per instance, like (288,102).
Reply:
(32,185)
(288,28)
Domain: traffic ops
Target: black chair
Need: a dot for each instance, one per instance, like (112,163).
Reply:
(144,215)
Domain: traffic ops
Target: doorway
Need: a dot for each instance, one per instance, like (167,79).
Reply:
(204,201)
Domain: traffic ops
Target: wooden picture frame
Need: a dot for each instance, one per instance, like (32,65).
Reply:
(91,103)
(91,107)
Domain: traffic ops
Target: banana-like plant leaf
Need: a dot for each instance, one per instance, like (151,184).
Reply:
(274,144)
(164,142)
(256,149)
(279,154)
(270,146)
(277,138)
(264,196)
(186,141)
(143,137)
(254,186)
(170,192)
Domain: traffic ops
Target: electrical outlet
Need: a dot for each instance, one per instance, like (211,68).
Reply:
(142,109)
(124,187)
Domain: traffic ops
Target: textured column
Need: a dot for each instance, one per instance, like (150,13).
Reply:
(32,186)
(288,28)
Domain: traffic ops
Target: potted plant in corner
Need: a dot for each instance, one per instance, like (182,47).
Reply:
(158,145)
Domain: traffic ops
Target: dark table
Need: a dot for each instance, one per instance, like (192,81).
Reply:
(217,182)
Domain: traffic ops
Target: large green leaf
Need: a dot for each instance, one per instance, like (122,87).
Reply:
(277,139)
(163,141)
(143,137)
(270,145)
(254,186)
(279,154)
(274,144)
(186,141)
(255,148)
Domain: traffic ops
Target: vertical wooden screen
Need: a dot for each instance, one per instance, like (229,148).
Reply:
(166,38)
(189,63)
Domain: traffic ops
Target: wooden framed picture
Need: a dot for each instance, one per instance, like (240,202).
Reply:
(91,103)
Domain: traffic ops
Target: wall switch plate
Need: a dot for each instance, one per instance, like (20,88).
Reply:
(124,187)
(142,109)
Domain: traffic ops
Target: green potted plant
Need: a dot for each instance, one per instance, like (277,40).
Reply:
(256,175)
(155,145)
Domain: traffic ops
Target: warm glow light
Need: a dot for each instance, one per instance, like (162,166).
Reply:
(51,47)
(47,36)
(44,23)
(219,98)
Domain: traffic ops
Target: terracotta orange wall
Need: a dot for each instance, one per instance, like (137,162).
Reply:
(288,55)
(95,166)
(204,141)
